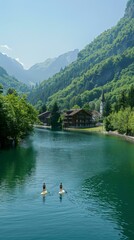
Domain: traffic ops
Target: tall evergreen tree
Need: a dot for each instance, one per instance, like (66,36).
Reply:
(43,108)
(55,117)
(122,101)
(131,97)
(107,108)
(1,88)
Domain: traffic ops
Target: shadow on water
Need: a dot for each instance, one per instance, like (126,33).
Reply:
(16,165)
(113,193)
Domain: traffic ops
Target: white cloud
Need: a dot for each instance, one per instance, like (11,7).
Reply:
(6,47)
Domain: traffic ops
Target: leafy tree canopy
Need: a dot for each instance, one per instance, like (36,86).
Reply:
(16,119)
(55,117)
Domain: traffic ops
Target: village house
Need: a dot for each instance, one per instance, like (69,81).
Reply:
(45,118)
(77,118)
(73,118)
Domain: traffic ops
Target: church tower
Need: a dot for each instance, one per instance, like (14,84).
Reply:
(102,104)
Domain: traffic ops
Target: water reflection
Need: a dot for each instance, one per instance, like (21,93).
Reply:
(60,197)
(113,192)
(44,199)
(16,165)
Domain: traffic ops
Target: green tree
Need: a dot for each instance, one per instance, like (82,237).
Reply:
(122,121)
(123,117)
(7,121)
(131,123)
(108,124)
(25,116)
(1,88)
(76,106)
(43,108)
(122,100)
(11,91)
(107,108)
(16,118)
(55,117)
(86,107)
(131,97)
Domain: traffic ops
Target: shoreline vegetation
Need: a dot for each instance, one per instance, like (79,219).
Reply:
(17,118)
(99,130)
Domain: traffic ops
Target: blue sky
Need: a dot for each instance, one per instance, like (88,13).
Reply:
(33,30)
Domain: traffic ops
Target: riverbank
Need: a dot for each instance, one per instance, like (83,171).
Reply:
(115,133)
(99,130)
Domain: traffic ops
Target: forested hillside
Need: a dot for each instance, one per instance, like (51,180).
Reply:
(106,63)
(11,82)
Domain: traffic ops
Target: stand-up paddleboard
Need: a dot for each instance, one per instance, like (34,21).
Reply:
(44,192)
(62,191)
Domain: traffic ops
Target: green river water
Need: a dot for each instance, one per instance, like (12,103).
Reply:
(97,173)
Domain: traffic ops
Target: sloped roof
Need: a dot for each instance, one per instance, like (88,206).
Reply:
(72,112)
(96,113)
(45,114)
(75,111)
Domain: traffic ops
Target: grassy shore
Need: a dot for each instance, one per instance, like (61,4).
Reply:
(94,129)
(99,129)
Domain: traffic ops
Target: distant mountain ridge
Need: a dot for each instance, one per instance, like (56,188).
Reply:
(37,72)
(12,67)
(11,82)
(45,70)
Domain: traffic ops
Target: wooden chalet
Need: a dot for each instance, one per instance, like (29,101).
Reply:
(77,118)
(45,118)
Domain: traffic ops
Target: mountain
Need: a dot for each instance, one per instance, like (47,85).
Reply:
(11,82)
(38,72)
(47,69)
(106,63)
(13,68)
(129,12)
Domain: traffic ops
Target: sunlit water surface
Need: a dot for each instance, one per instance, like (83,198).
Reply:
(97,173)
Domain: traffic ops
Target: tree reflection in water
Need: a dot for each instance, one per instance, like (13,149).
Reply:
(16,165)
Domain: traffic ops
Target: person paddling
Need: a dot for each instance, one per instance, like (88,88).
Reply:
(44,187)
(61,187)
(44,191)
